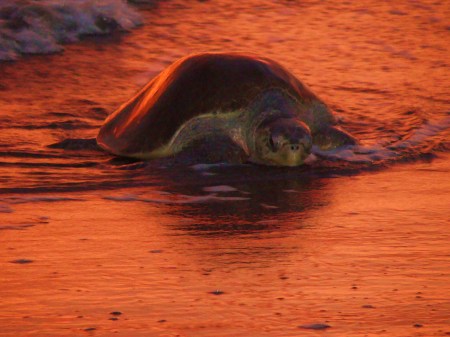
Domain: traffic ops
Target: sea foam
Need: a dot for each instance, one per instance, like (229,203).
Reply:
(31,27)
(174,198)
(409,146)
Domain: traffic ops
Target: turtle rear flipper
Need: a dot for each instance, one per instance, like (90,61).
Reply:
(331,137)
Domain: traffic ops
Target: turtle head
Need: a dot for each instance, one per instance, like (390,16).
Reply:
(282,142)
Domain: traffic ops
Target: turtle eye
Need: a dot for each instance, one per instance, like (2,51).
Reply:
(272,144)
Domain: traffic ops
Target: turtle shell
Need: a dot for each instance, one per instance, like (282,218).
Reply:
(192,86)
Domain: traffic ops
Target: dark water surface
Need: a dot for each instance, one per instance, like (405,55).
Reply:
(357,240)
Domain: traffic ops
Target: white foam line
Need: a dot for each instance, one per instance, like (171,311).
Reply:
(189,199)
(181,199)
(357,154)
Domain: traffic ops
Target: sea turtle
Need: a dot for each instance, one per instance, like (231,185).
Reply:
(251,101)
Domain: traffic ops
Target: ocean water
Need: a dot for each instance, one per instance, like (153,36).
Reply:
(356,240)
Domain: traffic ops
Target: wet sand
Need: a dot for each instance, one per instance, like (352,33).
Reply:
(354,259)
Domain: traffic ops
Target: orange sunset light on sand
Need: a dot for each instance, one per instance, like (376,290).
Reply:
(204,241)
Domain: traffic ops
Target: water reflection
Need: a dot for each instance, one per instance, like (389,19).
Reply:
(270,206)
(238,216)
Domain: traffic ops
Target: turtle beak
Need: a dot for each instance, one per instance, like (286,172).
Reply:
(289,142)
(294,154)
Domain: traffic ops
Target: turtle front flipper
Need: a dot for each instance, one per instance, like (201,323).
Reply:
(211,149)
(332,137)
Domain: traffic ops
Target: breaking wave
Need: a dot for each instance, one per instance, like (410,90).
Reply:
(36,27)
